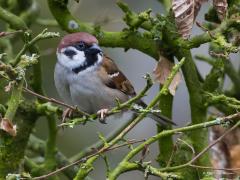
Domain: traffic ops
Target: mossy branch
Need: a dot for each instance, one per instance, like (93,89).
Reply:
(213,99)
(14,21)
(125,39)
(122,167)
(14,101)
(38,146)
(198,110)
(43,35)
(23,62)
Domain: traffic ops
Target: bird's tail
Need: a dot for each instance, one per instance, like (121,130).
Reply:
(159,118)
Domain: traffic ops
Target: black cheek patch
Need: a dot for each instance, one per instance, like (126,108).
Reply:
(91,60)
(70,53)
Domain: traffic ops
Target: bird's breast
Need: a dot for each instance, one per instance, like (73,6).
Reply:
(90,94)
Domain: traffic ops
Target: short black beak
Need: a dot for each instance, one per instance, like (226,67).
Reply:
(94,49)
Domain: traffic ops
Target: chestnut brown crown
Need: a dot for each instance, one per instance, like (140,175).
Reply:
(75,38)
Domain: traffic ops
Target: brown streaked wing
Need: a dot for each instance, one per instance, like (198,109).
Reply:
(114,78)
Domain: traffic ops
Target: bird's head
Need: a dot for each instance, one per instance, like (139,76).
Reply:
(79,52)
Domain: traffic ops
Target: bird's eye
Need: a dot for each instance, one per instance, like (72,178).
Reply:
(70,53)
(80,46)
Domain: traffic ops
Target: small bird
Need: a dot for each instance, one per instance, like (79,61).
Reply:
(87,78)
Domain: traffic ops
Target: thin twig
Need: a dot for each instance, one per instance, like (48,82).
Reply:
(74,108)
(3,34)
(175,149)
(214,142)
(191,147)
(206,148)
(87,157)
(122,168)
(100,143)
(172,154)
(215,169)
(205,29)
(133,141)
(43,35)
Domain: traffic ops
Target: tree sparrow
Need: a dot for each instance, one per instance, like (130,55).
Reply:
(87,78)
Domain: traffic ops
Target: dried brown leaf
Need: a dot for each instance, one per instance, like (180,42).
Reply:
(185,12)
(6,125)
(163,70)
(184,16)
(221,8)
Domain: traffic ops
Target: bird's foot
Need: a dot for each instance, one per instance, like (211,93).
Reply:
(102,115)
(67,113)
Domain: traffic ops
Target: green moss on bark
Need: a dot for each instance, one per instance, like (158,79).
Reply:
(12,148)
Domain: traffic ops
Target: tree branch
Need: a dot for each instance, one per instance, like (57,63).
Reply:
(125,39)
(123,168)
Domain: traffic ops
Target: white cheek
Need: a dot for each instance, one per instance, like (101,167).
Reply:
(79,57)
(76,61)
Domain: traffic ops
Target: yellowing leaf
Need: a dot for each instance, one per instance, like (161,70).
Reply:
(7,126)
(163,70)
(221,8)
